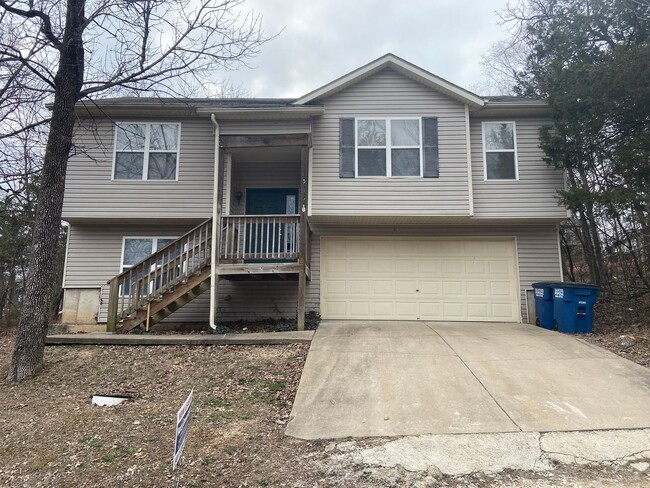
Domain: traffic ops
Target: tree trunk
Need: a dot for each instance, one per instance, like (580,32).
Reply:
(29,347)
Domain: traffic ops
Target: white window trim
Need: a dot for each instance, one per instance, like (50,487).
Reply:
(153,246)
(145,163)
(387,147)
(514,150)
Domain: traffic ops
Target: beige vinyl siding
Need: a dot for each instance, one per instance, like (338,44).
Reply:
(91,193)
(534,195)
(94,256)
(389,94)
(537,249)
(263,127)
(95,253)
(261,175)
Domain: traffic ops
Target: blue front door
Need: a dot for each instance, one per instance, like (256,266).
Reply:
(271,238)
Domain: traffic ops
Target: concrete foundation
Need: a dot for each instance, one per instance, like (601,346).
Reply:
(80,306)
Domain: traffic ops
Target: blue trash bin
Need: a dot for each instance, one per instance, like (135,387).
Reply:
(544,304)
(573,307)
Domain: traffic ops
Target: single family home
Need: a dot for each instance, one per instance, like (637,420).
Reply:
(387,194)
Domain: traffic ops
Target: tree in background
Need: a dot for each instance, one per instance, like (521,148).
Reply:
(69,51)
(590,59)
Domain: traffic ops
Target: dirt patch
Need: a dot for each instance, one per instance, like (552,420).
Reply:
(623,327)
(52,436)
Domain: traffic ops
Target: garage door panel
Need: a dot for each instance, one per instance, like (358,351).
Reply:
(429,287)
(452,289)
(419,278)
(383,310)
(406,310)
(381,266)
(474,266)
(383,287)
(335,309)
(335,287)
(502,311)
(454,310)
(334,266)
(428,266)
(500,267)
(452,265)
(477,289)
(431,311)
(406,266)
(405,287)
(477,311)
(358,287)
(501,288)
(359,309)
(358,265)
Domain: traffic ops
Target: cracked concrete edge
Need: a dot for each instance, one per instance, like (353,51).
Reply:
(461,454)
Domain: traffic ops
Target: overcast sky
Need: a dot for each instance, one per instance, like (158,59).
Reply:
(324,39)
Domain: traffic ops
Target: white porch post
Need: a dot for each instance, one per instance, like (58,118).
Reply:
(215,227)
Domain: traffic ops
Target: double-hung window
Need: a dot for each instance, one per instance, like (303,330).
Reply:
(146,151)
(500,151)
(388,147)
(135,249)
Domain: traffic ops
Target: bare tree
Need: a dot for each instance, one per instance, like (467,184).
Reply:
(69,51)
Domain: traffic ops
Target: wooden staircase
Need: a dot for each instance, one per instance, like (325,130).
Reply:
(162,283)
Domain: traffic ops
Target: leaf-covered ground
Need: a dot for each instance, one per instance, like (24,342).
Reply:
(51,435)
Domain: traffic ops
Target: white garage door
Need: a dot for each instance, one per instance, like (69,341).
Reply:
(419,279)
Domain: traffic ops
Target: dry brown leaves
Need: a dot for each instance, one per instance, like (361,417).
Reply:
(51,435)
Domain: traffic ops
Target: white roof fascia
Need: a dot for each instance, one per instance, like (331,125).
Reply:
(402,66)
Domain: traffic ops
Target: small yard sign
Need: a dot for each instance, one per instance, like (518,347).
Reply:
(182,423)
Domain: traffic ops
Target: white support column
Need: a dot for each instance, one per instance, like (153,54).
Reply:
(215,227)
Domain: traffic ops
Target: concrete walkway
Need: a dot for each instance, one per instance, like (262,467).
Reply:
(253,338)
(409,378)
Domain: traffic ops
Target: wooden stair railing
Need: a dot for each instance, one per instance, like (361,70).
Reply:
(161,283)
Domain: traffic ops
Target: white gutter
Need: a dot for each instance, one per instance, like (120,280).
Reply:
(215,225)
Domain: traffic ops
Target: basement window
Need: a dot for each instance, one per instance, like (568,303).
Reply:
(136,249)
(146,151)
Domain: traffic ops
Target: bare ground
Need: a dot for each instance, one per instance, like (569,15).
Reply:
(52,435)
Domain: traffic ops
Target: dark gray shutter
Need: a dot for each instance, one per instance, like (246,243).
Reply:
(346,148)
(431,160)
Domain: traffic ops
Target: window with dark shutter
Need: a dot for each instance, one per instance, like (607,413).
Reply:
(431,158)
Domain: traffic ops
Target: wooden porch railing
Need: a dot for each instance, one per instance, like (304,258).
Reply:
(259,238)
(158,273)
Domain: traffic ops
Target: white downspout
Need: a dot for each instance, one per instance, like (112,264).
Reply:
(215,225)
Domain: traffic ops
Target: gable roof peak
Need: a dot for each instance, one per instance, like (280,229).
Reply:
(390,60)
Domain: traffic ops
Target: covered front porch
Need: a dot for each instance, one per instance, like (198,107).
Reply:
(258,231)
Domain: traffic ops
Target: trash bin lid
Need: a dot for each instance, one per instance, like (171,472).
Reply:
(570,284)
(543,284)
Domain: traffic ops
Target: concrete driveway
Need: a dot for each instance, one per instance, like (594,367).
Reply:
(409,378)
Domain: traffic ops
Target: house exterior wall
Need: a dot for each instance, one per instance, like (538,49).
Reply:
(534,195)
(387,94)
(95,252)
(91,193)
(94,256)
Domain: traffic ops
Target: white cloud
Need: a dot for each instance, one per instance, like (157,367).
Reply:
(325,39)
